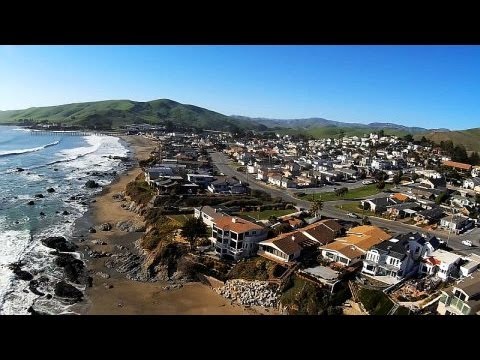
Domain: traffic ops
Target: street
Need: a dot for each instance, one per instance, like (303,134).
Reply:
(221,161)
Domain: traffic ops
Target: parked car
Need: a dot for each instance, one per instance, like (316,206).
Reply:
(467,242)
(353,215)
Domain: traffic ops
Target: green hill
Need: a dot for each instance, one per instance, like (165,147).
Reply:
(114,113)
(469,138)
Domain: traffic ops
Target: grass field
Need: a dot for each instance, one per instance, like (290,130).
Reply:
(359,193)
(354,208)
(265,214)
(180,218)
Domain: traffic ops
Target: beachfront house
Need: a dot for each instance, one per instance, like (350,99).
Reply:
(398,257)
(441,263)
(236,238)
(462,298)
(355,245)
(288,247)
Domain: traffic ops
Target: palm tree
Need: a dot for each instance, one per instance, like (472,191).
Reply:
(316,207)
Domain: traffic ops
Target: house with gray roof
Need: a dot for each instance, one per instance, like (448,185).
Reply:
(400,256)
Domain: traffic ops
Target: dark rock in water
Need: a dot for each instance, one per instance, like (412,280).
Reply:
(55,169)
(50,190)
(93,201)
(106,227)
(40,196)
(91,184)
(20,169)
(33,288)
(92,230)
(65,290)
(57,212)
(74,268)
(65,212)
(42,213)
(72,198)
(59,243)
(21,274)
(49,296)
(83,203)
(31,202)
(17,222)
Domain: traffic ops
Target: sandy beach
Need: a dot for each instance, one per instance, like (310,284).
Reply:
(118,295)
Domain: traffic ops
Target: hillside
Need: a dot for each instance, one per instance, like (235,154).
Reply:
(469,138)
(113,113)
(318,123)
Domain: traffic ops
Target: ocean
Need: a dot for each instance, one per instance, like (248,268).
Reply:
(57,160)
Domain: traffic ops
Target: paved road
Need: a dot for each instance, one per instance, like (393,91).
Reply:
(221,161)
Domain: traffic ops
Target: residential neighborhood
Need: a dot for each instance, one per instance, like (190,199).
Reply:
(345,214)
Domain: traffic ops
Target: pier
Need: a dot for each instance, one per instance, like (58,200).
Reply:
(73,132)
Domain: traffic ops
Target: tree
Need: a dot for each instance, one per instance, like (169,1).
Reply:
(341,134)
(441,198)
(282,228)
(341,191)
(381,185)
(397,177)
(366,221)
(408,138)
(316,207)
(193,229)
(474,158)
(381,133)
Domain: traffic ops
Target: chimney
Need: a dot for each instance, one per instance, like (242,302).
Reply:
(293,238)
(234,219)
(215,210)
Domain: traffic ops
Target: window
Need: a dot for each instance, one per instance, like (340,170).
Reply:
(240,236)
(254,232)
(239,244)
(234,236)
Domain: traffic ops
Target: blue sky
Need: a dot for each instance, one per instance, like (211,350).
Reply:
(427,86)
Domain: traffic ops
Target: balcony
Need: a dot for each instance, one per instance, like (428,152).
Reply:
(458,306)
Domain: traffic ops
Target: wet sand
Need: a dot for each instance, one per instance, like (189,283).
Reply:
(128,297)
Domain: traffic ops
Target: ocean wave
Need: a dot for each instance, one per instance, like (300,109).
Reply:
(25,151)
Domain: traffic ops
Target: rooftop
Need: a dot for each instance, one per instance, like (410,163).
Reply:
(445,256)
(238,225)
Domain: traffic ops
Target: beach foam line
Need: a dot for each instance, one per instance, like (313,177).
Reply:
(25,151)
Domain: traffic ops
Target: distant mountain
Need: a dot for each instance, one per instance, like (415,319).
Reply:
(469,138)
(310,123)
(113,113)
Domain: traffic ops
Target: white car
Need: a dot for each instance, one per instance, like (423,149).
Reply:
(353,215)
(467,242)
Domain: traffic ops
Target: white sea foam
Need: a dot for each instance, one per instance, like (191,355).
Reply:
(13,245)
(25,151)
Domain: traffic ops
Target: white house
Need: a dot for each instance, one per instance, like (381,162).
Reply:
(207,214)
(235,237)
(456,223)
(462,298)
(471,183)
(398,257)
(440,263)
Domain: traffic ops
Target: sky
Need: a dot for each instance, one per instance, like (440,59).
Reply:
(425,86)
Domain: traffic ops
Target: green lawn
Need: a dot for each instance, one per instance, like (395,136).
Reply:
(375,301)
(361,192)
(354,208)
(265,214)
